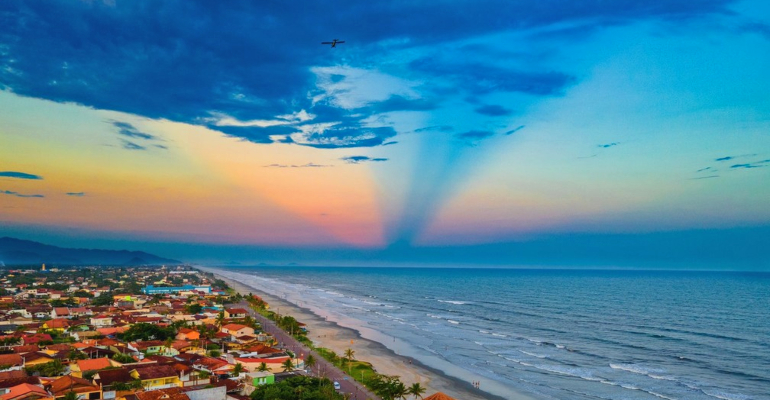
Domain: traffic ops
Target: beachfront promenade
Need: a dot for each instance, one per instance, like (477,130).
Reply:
(322,368)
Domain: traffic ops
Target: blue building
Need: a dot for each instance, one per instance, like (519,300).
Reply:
(150,289)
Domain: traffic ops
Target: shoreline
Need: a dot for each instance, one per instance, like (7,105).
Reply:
(330,334)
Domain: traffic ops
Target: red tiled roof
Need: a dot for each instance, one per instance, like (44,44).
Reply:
(69,383)
(163,394)
(22,390)
(95,364)
(11,359)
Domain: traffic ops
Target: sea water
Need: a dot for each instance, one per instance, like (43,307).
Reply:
(555,334)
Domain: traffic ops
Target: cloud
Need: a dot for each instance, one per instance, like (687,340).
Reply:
(361,159)
(165,61)
(400,103)
(706,169)
(514,130)
(493,110)
(76,194)
(728,158)
(436,128)
(342,136)
(132,146)
(704,177)
(308,165)
(479,79)
(607,145)
(128,130)
(17,194)
(746,166)
(19,175)
(475,135)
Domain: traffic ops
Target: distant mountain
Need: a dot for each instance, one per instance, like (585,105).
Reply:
(17,251)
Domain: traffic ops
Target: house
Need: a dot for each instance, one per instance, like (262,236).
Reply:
(82,366)
(236,313)
(25,391)
(60,312)
(36,358)
(188,334)
(11,362)
(84,389)
(236,330)
(101,321)
(9,379)
(109,378)
(36,338)
(256,379)
(212,365)
(57,324)
(155,377)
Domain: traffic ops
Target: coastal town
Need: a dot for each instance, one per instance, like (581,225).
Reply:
(164,333)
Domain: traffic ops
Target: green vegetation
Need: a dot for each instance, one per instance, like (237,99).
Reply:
(123,358)
(53,368)
(298,387)
(145,332)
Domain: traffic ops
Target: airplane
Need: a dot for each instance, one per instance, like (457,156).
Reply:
(334,42)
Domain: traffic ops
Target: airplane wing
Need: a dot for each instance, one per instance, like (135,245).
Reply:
(327,42)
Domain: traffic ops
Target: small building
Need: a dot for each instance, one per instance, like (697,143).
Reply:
(151,289)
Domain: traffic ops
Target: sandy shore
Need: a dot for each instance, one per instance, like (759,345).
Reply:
(330,335)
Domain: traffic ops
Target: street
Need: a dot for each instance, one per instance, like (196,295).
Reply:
(322,368)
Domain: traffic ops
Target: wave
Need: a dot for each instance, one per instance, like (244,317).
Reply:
(636,369)
(533,354)
(451,321)
(455,302)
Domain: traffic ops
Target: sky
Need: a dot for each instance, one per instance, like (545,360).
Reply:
(505,133)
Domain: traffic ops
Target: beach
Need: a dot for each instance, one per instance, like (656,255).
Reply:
(330,335)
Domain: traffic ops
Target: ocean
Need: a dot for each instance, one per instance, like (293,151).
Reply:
(554,334)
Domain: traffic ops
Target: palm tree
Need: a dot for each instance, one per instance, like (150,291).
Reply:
(263,367)
(287,365)
(416,390)
(220,319)
(238,369)
(349,353)
(71,396)
(310,361)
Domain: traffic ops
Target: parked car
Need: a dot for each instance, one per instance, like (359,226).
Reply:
(336,385)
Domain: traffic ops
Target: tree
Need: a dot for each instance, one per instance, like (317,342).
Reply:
(310,361)
(194,308)
(238,369)
(104,299)
(349,353)
(287,365)
(123,358)
(416,390)
(220,319)
(143,331)
(263,367)
(71,396)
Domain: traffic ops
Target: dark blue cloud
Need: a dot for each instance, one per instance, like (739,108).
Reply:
(132,146)
(19,175)
(361,159)
(746,166)
(17,194)
(475,135)
(728,158)
(76,194)
(479,79)
(607,145)
(439,128)
(128,130)
(255,134)
(514,130)
(493,110)
(186,60)
(400,103)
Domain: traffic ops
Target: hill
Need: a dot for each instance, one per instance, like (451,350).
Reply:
(17,251)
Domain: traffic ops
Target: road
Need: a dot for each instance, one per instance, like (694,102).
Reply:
(322,367)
